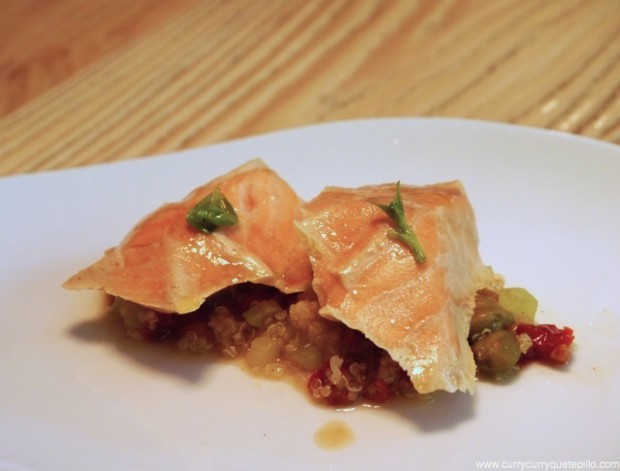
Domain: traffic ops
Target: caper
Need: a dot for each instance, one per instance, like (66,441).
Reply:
(496,352)
(489,321)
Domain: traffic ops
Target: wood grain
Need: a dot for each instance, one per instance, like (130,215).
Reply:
(100,81)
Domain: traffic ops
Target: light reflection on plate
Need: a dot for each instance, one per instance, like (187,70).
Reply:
(74,393)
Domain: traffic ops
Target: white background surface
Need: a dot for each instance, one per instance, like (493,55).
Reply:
(76,394)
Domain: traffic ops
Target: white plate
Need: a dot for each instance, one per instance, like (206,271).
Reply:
(74,394)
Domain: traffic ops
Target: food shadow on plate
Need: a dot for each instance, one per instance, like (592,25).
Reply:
(435,412)
(161,356)
(442,410)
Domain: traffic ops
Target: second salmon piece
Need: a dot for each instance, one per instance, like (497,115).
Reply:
(418,312)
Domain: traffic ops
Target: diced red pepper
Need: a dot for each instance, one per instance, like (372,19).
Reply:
(549,342)
(377,391)
(336,397)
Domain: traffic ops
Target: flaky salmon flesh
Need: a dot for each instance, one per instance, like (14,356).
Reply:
(418,312)
(168,265)
(338,245)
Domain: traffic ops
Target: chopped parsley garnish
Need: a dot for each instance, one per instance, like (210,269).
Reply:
(403,232)
(213,211)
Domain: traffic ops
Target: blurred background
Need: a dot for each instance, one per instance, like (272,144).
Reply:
(89,81)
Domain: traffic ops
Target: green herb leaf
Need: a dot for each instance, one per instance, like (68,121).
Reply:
(403,232)
(213,211)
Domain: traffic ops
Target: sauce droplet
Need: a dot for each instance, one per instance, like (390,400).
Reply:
(334,435)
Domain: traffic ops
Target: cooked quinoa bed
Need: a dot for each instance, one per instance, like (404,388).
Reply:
(277,336)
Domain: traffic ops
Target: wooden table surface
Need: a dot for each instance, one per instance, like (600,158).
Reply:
(89,81)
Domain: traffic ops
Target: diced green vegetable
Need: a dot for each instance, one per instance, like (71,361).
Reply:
(212,212)
(403,232)
(259,313)
(307,357)
(520,302)
(263,350)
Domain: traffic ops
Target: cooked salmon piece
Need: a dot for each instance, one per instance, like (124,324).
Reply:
(166,264)
(418,312)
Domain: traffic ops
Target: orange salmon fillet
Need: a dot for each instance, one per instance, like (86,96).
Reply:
(418,313)
(167,265)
